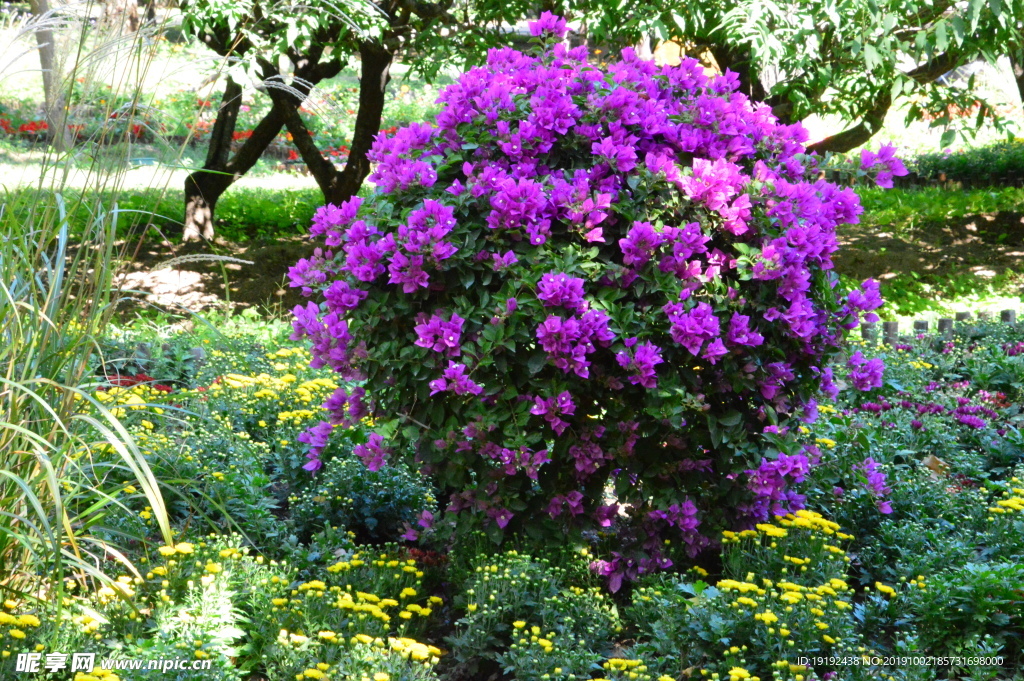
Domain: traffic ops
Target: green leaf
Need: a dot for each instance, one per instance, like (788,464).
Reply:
(941,37)
(536,361)
(731,419)
(871,59)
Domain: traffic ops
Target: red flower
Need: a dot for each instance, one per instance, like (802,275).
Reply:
(293,155)
(33,127)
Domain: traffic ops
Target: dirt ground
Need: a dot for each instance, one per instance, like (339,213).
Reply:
(237,276)
(987,245)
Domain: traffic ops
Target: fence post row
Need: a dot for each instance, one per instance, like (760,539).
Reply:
(890,330)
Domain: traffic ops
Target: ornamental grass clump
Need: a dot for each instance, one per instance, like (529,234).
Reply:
(583,297)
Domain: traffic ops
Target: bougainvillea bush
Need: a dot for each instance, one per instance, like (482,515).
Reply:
(589,300)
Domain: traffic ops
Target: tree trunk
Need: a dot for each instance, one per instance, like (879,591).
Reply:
(53,97)
(873,119)
(204,187)
(858,134)
(373,81)
(1017,63)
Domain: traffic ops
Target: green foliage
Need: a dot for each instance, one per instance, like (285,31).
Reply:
(962,605)
(854,50)
(376,505)
(999,164)
(514,602)
(784,596)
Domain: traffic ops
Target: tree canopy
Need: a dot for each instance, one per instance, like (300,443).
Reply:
(852,58)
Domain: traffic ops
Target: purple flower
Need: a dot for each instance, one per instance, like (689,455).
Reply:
(553,408)
(890,166)
(372,453)
(640,244)
(503,262)
(454,379)
(866,374)
(561,290)
(501,516)
(440,335)
(874,479)
(866,299)
(549,24)
(641,362)
(690,328)
(740,332)
(317,438)
(342,296)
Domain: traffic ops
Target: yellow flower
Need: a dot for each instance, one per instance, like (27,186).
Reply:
(519,624)
(183,547)
(738,673)
(381,676)
(167,550)
(313,674)
(213,567)
(16,633)
(28,620)
(888,590)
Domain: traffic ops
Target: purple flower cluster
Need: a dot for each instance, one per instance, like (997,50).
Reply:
(456,380)
(639,244)
(884,164)
(440,335)
(553,408)
(640,362)
(568,341)
(770,482)
(373,453)
(316,438)
(865,300)
(692,327)
(561,290)
(866,374)
(874,481)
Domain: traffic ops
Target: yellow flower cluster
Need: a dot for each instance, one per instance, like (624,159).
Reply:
(317,672)
(414,650)
(628,669)
(97,675)
(1012,501)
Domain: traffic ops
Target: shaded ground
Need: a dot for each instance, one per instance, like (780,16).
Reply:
(987,246)
(186,278)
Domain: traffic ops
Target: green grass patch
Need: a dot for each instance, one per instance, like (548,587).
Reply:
(901,211)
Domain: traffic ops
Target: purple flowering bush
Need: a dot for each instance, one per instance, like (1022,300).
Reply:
(589,299)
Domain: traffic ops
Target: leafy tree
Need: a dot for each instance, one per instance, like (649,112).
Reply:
(853,58)
(317,41)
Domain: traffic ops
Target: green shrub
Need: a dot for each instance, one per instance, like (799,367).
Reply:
(1001,163)
(524,615)
(376,505)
